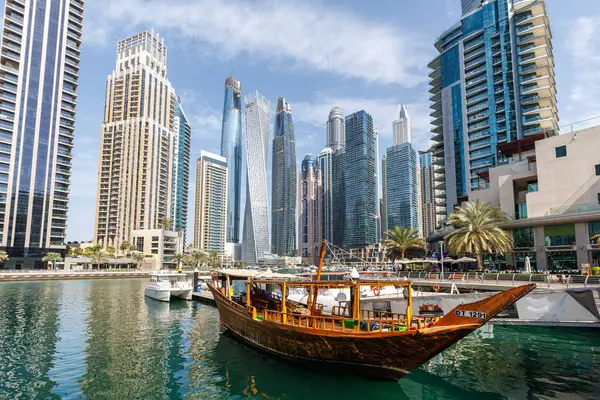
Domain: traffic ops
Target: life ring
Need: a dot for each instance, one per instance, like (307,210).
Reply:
(436,287)
(376,292)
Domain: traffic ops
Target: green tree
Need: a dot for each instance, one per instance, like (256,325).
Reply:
(188,260)
(178,259)
(3,256)
(138,257)
(53,258)
(477,231)
(99,257)
(199,258)
(75,252)
(110,250)
(214,259)
(125,246)
(164,223)
(399,240)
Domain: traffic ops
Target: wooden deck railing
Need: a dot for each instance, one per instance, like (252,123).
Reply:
(371,321)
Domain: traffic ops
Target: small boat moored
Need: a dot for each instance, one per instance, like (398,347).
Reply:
(165,285)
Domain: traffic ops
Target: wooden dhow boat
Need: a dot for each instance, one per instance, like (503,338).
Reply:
(381,345)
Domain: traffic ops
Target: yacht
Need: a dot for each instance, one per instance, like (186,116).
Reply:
(165,285)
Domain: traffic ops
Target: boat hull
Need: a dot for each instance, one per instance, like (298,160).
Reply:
(385,356)
(158,294)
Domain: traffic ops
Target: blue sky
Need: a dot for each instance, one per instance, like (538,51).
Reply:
(356,54)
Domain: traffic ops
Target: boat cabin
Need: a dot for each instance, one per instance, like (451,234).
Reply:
(170,277)
(264,296)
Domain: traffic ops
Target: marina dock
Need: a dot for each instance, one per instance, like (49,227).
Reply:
(204,297)
(43,275)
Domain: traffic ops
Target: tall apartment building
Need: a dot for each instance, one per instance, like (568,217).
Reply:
(401,127)
(182,132)
(140,144)
(326,168)
(255,241)
(39,71)
(310,187)
(401,192)
(212,189)
(231,149)
(428,223)
(492,83)
(336,141)
(360,181)
(283,184)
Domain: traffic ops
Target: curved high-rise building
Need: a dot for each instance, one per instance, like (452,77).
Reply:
(336,135)
(401,126)
(283,187)
(231,149)
(309,214)
(255,240)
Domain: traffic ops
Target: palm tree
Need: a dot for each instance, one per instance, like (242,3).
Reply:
(178,258)
(199,257)
(53,258)
(3,256)
(99,257)
(188,260)
(124,246)
(138,257)
(477,231)
(214,259)
(595,238)
(401,239)
(111,250)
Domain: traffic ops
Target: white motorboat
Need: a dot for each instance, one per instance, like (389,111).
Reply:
(165,285)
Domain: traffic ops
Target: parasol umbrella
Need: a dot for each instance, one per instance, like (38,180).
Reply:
(464,260)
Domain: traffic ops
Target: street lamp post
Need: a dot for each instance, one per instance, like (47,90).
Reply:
(442,257)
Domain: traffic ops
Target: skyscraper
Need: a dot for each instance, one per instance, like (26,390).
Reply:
(143,145)
(360,181)
(401,126)
(336,136)
(182,133)
(401,187)
(231,149)
(283,185)
(326,207)
(309,206)
(211,203)
(427,194)
(492,83)
(255,241)
(336,141)
(39,69)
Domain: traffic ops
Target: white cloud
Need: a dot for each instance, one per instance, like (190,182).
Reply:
(301,34)
(583,44)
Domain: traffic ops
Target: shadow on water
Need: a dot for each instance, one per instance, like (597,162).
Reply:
(251,373)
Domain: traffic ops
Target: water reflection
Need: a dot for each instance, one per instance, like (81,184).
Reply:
(104,340)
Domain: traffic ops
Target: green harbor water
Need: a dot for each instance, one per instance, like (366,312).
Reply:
(102,339)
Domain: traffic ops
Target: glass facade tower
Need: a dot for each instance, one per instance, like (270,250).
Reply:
(182,132)
(492,83)
(255,241)
(231,149)
(39,71)
(326,168)
(401,187)
(283,185)
(360,176)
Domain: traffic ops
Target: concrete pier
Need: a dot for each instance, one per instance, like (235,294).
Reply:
(204,297)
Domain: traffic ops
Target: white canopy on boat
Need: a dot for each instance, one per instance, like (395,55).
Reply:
(247,273)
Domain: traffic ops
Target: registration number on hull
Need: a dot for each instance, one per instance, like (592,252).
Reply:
(470,314)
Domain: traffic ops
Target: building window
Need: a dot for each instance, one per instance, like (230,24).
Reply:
(597,169)
(561,151)
(523,237)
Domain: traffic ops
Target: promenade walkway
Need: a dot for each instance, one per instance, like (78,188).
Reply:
(44,275)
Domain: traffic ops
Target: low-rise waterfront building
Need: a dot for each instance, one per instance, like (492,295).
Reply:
(551,189)
(158,245)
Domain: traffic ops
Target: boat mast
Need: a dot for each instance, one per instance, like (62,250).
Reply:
(319,270)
